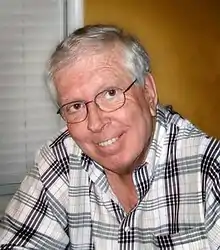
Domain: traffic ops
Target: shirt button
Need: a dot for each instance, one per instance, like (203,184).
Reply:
(127,229)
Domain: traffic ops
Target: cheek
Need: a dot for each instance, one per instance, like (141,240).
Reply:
(141,121)
(136,111)
(142,127)
(78,132)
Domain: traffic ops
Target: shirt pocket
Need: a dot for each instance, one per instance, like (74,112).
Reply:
(192,239)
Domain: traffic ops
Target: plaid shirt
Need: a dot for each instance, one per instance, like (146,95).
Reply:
(65,202)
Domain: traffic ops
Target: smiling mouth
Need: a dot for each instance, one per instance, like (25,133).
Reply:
(108,142)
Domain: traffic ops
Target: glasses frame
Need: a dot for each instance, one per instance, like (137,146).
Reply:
(94,100)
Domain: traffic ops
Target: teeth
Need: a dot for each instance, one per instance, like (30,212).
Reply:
(108,142)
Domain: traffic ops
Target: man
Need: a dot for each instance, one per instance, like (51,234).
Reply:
(126,173)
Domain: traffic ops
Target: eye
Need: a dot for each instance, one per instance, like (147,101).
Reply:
(74,107)
(111,93)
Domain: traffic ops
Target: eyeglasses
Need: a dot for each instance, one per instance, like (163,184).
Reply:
(108,100)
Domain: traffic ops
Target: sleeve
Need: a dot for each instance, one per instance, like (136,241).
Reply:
(36,216)
(211,180)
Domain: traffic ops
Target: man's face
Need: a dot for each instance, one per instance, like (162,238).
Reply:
(117,140)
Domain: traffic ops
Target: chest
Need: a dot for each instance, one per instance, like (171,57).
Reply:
(167,216)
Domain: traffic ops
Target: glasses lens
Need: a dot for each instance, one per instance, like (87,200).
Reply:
(74,112)
(110,99)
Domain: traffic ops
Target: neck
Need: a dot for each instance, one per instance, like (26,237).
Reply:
(124,189)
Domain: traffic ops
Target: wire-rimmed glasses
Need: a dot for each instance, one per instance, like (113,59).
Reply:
(107,100)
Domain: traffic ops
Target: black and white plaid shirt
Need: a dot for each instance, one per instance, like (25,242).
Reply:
(66,202)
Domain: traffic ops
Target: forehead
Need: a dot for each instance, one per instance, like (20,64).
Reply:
(109,62)
(111,56)
(91,73)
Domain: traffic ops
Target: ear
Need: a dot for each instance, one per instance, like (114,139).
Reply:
(151,93)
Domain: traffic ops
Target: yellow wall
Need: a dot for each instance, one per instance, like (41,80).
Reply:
(183,40)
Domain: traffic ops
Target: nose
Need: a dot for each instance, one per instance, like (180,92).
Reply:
(96,120)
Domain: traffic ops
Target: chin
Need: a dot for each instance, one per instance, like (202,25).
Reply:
(118,164)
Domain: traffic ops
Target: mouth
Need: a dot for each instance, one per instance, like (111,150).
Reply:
(108,142)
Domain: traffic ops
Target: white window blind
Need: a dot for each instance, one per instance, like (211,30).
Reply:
(29,31)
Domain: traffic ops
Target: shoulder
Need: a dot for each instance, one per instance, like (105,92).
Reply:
(54,155)
(186,135)
(177,126)
(210,161)
(63,141)
(192,151)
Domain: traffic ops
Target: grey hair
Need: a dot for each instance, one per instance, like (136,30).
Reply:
(136,59)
